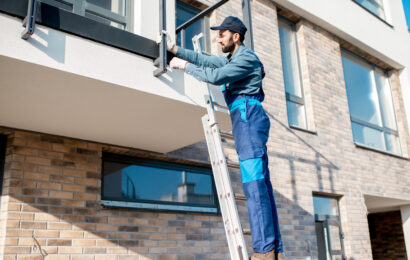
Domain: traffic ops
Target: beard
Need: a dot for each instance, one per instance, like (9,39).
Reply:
(229,47)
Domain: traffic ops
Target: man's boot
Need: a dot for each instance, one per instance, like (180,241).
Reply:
(260,256)
(279,256)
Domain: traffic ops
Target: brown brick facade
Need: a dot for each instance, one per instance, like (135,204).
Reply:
(386,233)
(52,185)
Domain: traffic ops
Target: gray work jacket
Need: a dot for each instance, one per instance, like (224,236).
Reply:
(240,73)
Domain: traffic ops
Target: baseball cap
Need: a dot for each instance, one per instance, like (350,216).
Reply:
(233,24)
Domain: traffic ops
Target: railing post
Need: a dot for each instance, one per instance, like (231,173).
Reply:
(30,20)
(183,35)
(162,60)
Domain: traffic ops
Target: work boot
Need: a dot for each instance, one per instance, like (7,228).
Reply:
(279,256)
(260,256)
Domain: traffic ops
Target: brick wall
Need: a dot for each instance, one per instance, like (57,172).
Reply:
(386,234)
(52,191)
(52,184)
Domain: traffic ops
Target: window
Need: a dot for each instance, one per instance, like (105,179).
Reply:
(184,38)
(295,102)
(328,230)
(374,6)
(370,105)
(150,184)
(3,140)
(111,12)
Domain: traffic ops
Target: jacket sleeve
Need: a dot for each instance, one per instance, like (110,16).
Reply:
(201,59)
(233,71)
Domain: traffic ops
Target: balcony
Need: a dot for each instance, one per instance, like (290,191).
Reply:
(68,81)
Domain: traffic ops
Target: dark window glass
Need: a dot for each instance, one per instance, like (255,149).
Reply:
(155,182)
(184,13)
(115,6)
(60,4)
(103,20)
(374,6)
(328,229)
(111,12)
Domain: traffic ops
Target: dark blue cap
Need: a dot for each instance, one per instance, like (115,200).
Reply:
(233,24)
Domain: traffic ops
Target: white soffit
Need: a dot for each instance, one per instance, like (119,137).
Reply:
(376,204)
(47,100)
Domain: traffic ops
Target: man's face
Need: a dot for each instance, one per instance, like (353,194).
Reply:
(226,41)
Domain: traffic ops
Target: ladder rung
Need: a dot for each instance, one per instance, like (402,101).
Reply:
(220,106)
(233,165)
(246,232)
(239,196)
(226,134)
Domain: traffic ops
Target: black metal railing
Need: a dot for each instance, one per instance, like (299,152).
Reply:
(161,61)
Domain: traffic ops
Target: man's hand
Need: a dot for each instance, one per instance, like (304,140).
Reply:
(178,64)
(170,43)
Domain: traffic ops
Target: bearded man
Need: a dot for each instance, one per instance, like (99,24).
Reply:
(240,73)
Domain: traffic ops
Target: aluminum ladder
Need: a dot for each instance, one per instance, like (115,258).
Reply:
(230,216)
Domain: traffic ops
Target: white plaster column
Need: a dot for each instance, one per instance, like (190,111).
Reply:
(405,216)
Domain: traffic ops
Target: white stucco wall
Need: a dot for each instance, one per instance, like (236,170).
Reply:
(66,85)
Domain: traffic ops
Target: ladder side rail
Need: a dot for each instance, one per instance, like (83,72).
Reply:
(230,215)
(230,197)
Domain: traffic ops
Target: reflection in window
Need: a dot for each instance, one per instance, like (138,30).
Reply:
(370,105)
(110,12)
(158,182)
(184,13)
(295,103)
(374,6)
(328,230)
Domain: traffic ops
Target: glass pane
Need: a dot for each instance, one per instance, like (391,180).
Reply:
(325,206)
(326,232)
(392,143)
(290,61)
(321,242)
(104,20)
(140,182)
(60,4)
(334,233)
(361,91)
(368,136)
(296,114)
(184,13)
(115,6)
(386,100)
(374,6)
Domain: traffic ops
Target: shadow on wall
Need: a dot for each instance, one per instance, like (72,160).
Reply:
(50,224)
(320,162)
(49,41)
(296,223)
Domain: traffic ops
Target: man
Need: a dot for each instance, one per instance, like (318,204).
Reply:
(240,73)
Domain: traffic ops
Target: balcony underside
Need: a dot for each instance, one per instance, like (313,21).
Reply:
(47,100)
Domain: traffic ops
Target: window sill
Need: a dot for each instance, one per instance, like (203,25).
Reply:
(158,206)
(69,22)
(303,130)
(366,147)
(378,17)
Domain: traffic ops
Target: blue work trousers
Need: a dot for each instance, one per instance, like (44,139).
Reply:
(250,128)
